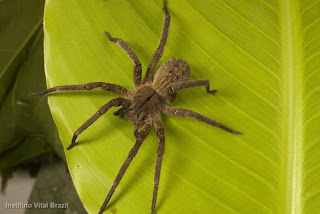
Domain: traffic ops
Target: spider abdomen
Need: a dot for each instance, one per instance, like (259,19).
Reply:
(171,72)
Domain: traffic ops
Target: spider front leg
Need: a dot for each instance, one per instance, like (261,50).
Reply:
(93,118)
(188,113)
(137,68)
(159,51)
(161,139)
(139,140)
(103,85)
(192,83)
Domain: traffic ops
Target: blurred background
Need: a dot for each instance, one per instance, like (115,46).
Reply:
(32,162)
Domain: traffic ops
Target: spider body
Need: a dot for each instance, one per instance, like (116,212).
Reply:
(149,99)
(171,72)
(144,105)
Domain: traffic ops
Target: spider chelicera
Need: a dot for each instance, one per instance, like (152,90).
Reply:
(144,105)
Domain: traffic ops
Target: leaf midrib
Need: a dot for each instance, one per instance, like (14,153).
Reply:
(291,171)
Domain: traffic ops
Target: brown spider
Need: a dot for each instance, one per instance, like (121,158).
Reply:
(144,105)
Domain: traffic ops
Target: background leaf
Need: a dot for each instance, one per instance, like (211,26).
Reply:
(20,22)
(262,56)
(23,116)
(27,128)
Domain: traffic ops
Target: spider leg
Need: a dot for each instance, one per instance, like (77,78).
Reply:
(103,85)
(136,131)
(93,118)
(137,68)
(140,138)
(136,128)
(188,113)
(159,51)
(160,134)
(119,111)
(192,83)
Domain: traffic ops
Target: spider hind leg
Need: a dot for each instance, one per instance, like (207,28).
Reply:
(188,113)
(133,152)
(161,140)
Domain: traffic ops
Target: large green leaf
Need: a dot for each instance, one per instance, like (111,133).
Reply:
(262,56)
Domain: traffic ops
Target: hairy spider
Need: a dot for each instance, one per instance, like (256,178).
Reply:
(144,105)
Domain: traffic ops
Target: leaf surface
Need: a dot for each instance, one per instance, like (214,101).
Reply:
(262,56)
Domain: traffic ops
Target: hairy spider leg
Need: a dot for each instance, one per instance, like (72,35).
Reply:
(192,83)
(188,113)
(137,127)
(115,102)
(159,51)
(139,140)
(103,85)
(119,111)
(161,140)
(136,130)
(137,68)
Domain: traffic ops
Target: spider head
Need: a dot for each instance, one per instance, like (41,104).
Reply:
(171,72)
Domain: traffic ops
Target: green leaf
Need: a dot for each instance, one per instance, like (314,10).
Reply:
(262,56)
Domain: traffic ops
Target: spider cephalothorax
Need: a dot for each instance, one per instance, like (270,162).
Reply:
(148,100)
(144,105)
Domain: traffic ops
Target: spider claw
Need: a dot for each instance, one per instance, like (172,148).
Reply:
(110,37)
(119,111)
(236,132)
(116,113)
(73,142)
(107,34)
(212,91)
(70,146)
